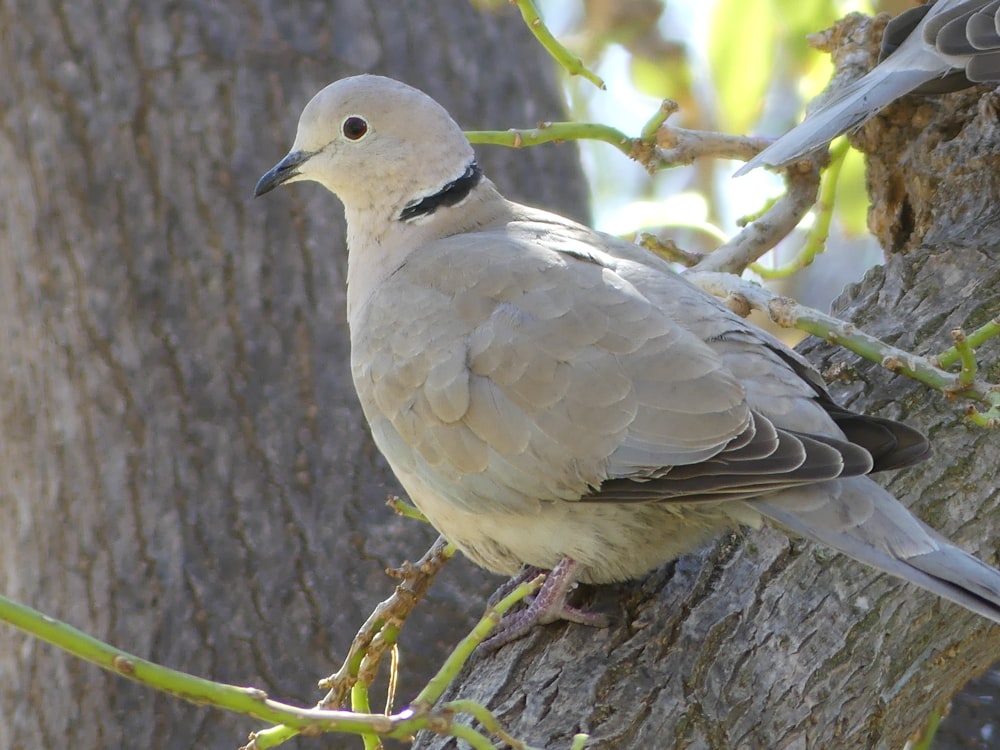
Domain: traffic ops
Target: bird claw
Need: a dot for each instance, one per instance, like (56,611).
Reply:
(548,605)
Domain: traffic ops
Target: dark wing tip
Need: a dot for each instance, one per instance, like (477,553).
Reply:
(891,444)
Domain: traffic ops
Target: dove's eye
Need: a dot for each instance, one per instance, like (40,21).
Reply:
(354,128)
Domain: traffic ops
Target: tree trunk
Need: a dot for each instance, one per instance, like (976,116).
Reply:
(762,641)
(185,469)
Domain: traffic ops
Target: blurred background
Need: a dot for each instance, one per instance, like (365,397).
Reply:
(734,66)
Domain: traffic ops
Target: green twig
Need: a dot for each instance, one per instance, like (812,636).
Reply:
(490,723)
(570,62)
(816,240)
(390,613)
(668,250)
(790,314)
(360,705)
(271,737)
(990,418)
(967,374)
(384,642)
(658,147)
(470,735)
(247,701)
(377,635)
(461,653)
(975,339)
(405,509)
(290,720)
(654,123)
(742,221)
(549,132)
(422,716)
(929,731)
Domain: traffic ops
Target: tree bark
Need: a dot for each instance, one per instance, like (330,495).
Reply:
(762,641)
(185,469)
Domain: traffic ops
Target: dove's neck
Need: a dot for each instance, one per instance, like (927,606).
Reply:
(379,244)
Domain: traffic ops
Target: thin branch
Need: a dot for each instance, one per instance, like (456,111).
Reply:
(788,313)
(470,735)
(658,120)
(818,235)
(360,705)
(456,660)
(405,509)
(247,701)
(926,739)
(558,132)
(676,146)
(765,232)
(668,250)
(289,720)
(391,613)
(976,339)
(421,715)
(570,62)
(659,145)
(489,722)
(390,693)
(966,355)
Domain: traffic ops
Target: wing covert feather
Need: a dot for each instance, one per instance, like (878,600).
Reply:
(545,371)
(560,372)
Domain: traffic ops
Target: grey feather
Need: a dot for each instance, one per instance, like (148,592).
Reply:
(860,519)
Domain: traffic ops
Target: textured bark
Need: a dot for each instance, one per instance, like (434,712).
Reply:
(765,642)
(184,468)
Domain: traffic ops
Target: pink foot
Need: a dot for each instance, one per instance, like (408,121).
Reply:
(547,606)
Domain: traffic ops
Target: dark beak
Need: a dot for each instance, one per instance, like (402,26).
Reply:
(283,171)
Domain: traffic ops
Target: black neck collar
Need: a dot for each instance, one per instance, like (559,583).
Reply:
(452,193)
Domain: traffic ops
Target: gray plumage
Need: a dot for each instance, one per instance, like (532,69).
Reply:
(935,48)
(549,394)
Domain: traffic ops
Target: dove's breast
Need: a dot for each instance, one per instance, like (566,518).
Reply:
(499,383)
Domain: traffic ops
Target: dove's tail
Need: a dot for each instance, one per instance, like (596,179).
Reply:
(849,107)
(859,518)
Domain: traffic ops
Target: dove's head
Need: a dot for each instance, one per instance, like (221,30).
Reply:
(379,145)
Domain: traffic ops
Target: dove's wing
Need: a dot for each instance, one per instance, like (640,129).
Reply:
(859,518)
(524,363)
